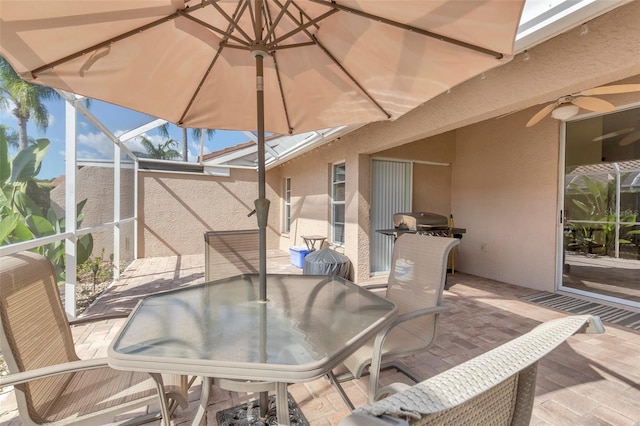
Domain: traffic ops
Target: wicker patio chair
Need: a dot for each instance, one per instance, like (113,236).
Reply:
(495,388)
(416,283)
(52,384)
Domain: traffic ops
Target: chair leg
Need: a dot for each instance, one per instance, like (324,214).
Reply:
(335,382)
(401,368)
(347,376)
(141,420)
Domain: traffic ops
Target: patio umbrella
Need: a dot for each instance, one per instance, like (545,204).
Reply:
(312,64)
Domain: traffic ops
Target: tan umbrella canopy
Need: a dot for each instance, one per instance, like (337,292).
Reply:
(313,63)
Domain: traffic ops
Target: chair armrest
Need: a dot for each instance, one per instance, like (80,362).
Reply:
(53,370)
(378,343)
(364,420)
(415,314)
(404,318)
(375,286)
(470,379)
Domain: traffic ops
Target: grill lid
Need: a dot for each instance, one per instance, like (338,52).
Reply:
(419,220)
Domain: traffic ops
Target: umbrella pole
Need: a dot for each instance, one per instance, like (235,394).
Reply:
(261,204)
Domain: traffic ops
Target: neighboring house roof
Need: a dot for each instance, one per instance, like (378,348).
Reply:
(605,172)
(279,148)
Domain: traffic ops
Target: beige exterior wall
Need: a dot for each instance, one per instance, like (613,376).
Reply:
(503,176)
(505,192)
(176,209)
(432,158)
(95,184)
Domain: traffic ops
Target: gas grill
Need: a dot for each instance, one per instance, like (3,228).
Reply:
(423,223)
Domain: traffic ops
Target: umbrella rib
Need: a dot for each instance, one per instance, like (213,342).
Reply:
(417,30)
(239,11)
(302,13)
(275,23)
(214,29)
(254,24)
(204,77)
(339,65)
(352,78)
(304,26)
(284,100)
(50,65)
(232,24)
(300,25)
(271,48)
(291,46)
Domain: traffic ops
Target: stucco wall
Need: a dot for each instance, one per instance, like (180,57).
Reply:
(505,190)
(176,209)
(503,175)
(431,183)
(311,201)
(95,184)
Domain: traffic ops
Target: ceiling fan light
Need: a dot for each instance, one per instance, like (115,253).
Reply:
(564,112)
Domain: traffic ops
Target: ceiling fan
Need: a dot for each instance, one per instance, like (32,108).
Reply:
(568,106)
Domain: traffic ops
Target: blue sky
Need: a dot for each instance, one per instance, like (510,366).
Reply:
(93,145)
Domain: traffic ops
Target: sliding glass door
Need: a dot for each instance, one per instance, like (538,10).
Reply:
(601,227)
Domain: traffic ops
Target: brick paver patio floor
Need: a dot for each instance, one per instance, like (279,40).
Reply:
(589,380)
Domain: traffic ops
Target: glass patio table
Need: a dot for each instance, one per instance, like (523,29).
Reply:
(221,330)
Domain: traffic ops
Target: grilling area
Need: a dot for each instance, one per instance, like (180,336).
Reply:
(423,223)
(591,379)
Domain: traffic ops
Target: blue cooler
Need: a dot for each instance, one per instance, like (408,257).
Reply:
(298,254)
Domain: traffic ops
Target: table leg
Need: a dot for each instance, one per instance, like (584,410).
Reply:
(204,400)
(157,377)
(282,404)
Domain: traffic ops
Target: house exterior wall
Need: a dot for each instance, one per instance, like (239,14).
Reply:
(176,209)
(310,176)
(504,177)
(432,158)
(505,192)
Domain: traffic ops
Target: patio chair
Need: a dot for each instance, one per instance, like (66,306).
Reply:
(496,388)
(52,384)
(230,253)
(416,283)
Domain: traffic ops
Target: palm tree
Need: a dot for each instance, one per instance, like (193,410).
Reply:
(12,136)
(164,151)
(196,133)
(26,99)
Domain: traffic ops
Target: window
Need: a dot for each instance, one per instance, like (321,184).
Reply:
(337,203)
(287,205)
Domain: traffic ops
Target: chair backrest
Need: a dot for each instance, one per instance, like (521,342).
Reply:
(497,387)
(229,253)
(35,329)
(416,281)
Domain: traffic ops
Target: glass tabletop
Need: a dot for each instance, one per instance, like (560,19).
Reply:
(308,321)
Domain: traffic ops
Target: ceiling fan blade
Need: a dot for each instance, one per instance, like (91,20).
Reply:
(611,90)
(593,104)
(630,138)
(614,134)
(541,114)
